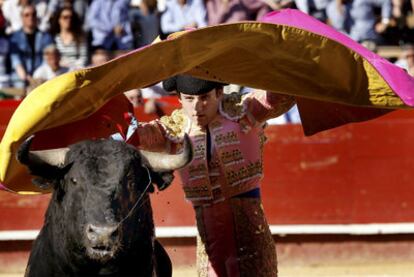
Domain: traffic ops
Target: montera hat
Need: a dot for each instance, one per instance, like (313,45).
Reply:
(190,85)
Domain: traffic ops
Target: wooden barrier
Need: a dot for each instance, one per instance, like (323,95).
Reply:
(390,52)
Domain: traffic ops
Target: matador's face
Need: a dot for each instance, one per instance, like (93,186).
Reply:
(201,109)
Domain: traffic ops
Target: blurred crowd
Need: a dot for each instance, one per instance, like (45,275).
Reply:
(41,39)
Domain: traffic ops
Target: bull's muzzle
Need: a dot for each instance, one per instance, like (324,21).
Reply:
(102,241)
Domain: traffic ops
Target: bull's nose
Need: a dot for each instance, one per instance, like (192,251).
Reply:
(101,234)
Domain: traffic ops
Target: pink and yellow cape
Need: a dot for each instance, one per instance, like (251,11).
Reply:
(335,80)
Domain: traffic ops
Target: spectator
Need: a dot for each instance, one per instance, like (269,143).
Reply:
(79,6)
(145,22)
(401,7)
(12,10)
(279,4)
(160,4)
(404,31)
(109,24)
(51,65)
(27,47)
(42,14)
(155,91)
(406,60)
(290,117)
(397,6)
(118,53)
(134,96)
(315,8)
(152,94)
(219,11)
(182,14)
(12,13)
(69,38)
(4,54)
(100,56)
(151,106)
(357,18)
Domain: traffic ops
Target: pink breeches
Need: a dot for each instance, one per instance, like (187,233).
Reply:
(236,238)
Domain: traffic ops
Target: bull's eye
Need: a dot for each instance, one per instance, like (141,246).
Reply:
(73,180)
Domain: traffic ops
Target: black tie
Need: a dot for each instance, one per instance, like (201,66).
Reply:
(208,145)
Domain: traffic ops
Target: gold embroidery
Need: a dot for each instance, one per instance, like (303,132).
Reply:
(232,106)
(231,157)
(226,139)
(244,173)
(228,173)
(175,125)
(200,191)
(195,170)
(199,150)
(214,164)
(216,125)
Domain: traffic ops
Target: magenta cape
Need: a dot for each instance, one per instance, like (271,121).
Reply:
(321,115)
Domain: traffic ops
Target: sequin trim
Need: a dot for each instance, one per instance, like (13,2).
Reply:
(232,106)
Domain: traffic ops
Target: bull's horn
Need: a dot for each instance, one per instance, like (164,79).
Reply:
(52,157)
(162,162)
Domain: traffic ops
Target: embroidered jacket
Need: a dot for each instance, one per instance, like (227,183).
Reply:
(237,140)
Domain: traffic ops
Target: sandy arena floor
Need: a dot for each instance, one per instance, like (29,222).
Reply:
(367,270)
(400,269)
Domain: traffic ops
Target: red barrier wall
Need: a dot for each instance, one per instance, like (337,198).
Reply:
(359,173)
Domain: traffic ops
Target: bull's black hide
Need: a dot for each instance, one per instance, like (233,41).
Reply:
(92,227)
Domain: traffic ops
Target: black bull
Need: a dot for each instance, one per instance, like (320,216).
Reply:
(99,220)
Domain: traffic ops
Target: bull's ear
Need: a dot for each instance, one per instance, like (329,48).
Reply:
(43,184)
(49,185)
(162,180)
(52,181)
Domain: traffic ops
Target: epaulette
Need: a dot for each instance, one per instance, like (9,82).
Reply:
(232,106)
(175,125)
